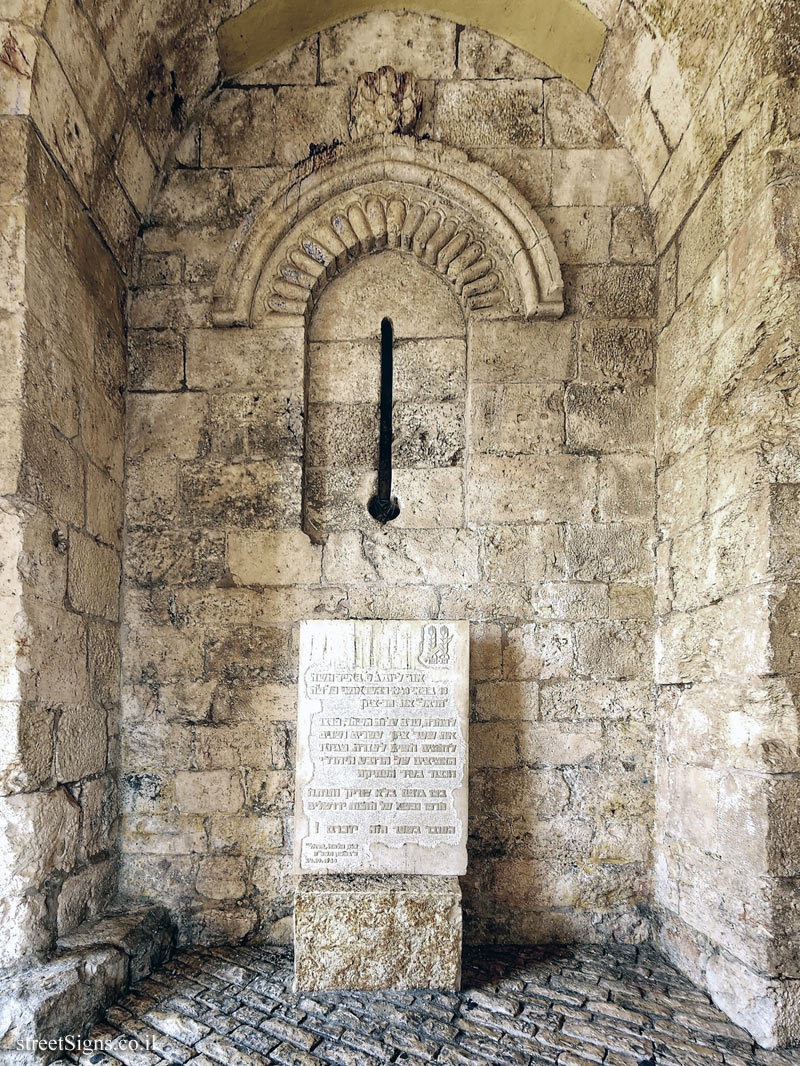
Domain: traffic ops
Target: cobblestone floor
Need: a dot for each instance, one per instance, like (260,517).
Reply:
(574,1007)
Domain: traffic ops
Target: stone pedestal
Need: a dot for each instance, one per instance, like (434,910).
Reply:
(387,931)
(381,803)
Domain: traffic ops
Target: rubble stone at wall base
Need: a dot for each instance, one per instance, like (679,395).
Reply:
(66,995)
(358,932)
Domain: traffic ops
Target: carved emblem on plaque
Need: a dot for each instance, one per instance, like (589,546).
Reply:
(435,650)
(384,101)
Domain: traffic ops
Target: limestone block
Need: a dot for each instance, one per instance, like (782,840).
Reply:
(221,877)
(482,55)
(614,551)
(615,352)
(309,117)
(610,419)
(514,700)
(135,167)
(530,170)
(549,488)
(85,894)
(627,600)
(429,499)
(55,666)
(485,651)
(412,556)
(52,473)
(81,743)
(27,760)
(377,932)
(273,558)
(736,628)
(555,744)
(586,176)
(174,557)
(769,1009)
(177,839)
(683,491)
(539,651)
(625,487)
(93,577)
(516,418)
(784,548)
(610,700)
(251,653)
(40,835)
(610,291)
(242,745)
(261,425)
(155,359)
(99,807)
(349,371)
(570,600)
(488,113)
(615,649)
(42,562)
(514,351)
(208,792)
(253,494)
(238,834)
(238,129)
(573,119)
(165,425)
(145,935)
(579,234)
(402,601)
(103,506)
(102,432)
(632,236)
(161,650)
(406,41)
(523,553)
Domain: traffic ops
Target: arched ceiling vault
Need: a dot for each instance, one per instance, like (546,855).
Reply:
(562,33)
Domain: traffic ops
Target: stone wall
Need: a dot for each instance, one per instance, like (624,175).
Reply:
(525,476)
(92,100)
(63,379)
(726,638)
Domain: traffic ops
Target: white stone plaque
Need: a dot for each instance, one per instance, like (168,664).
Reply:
(382,721)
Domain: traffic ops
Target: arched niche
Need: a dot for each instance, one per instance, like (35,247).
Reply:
(459,217)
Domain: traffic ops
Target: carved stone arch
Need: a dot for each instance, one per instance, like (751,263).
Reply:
(459,217)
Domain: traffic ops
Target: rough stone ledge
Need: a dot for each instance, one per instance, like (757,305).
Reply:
(92,967)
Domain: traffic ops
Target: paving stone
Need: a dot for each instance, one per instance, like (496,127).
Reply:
(618,1005)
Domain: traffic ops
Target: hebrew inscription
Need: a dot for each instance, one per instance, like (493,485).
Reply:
(382,747)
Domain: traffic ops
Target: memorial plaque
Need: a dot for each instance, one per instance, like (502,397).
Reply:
(382,747)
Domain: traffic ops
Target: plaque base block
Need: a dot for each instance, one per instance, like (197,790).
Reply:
(377,932)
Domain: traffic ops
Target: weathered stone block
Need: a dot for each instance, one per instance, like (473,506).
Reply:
(490,114)
(309,117)
(517,418)
(610,419)
(81,743)
(522,351)
(238,130)
(93,577)
(208,792)
(377,932)
(403,40)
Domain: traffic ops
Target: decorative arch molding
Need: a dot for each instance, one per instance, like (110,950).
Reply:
(459,217)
